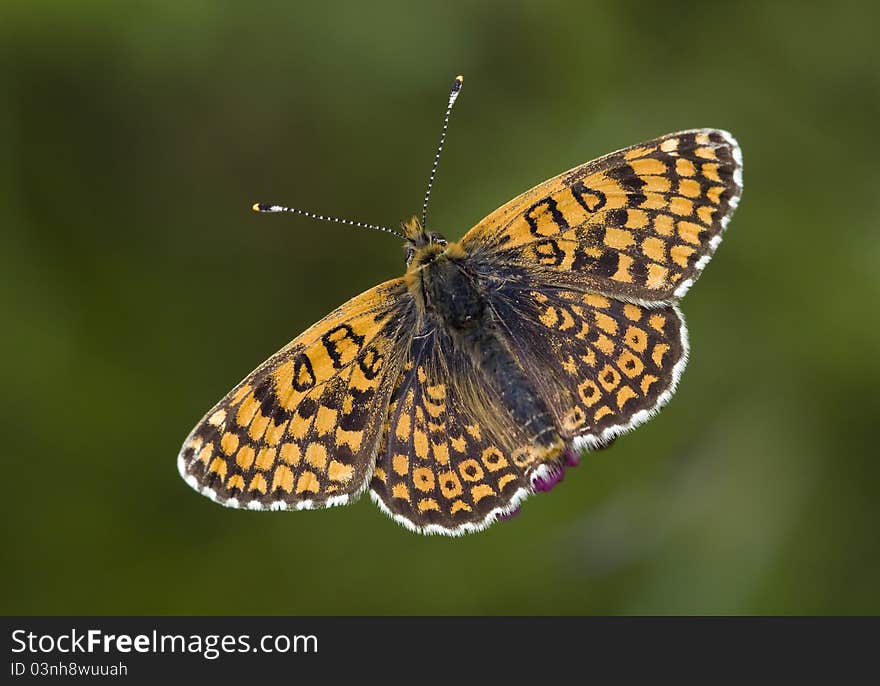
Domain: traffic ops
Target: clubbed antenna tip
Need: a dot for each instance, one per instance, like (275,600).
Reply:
(268,207)
(453,96)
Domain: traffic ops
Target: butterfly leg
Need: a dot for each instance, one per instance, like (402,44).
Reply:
(547,475)
(503,517)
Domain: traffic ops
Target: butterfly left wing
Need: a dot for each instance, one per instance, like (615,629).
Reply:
(301,430)
(640,223)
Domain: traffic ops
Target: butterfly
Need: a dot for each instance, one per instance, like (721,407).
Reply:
(457,390)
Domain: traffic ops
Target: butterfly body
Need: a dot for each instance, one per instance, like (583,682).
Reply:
(456,303)
(457,390)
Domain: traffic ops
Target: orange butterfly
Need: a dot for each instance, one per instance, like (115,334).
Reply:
(472,381)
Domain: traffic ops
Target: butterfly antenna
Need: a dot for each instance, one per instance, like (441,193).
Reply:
(266,207)
(453,96)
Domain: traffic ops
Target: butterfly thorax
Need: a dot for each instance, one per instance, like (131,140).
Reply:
(436,278)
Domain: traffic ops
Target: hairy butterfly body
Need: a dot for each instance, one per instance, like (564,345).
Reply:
(454,392)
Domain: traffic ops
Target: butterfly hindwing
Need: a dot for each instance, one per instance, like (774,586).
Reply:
(640,223)
(301,430)
(602,365)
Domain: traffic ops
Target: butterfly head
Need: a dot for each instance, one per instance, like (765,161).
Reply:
(422,246)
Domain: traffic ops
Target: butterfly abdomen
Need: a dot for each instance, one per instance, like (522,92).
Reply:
(526,407)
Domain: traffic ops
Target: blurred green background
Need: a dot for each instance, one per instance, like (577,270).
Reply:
(137,287)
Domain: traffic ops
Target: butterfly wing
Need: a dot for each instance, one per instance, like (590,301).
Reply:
(451,461)
(640,223)
(301,431)
(602,365)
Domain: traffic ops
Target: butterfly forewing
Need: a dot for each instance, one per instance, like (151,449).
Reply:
(639,224)
(301,431)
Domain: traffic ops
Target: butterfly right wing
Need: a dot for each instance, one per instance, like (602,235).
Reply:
(301,431)
(639,223)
